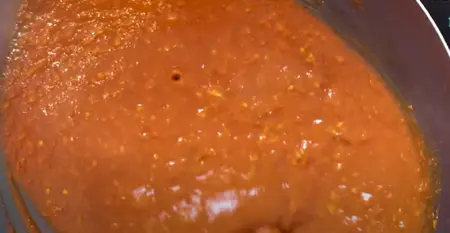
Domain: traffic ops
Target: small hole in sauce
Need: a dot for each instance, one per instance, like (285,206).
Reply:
(176,75)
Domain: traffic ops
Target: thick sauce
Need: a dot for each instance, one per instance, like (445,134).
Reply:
(204,116)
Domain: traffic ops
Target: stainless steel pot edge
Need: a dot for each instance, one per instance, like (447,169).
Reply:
(11,216)
(8,11)
(436,28)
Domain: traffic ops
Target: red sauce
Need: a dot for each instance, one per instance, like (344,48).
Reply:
(204,116)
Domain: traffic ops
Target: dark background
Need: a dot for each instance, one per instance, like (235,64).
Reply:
(440,11)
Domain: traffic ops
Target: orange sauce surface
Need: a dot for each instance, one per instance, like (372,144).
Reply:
(204,116)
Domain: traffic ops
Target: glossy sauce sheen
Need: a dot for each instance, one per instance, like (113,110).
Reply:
(204,117)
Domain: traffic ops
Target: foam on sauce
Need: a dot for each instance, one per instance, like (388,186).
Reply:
(204,116)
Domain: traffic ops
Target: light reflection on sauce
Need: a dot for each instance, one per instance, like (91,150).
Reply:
(223,203)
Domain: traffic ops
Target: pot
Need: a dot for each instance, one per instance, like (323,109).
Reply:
(398,38)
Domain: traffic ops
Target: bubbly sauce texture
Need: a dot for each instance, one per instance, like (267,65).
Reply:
(200,116)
